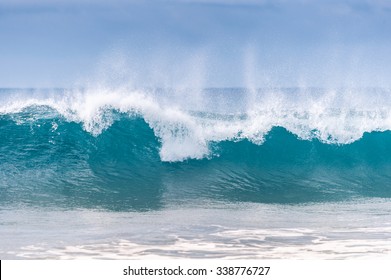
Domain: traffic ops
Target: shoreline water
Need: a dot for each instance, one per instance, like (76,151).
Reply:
(354,230)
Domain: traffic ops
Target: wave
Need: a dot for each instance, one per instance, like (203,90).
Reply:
(143,151)
(187,121)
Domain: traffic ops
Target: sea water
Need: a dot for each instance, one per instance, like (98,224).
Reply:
(198,173)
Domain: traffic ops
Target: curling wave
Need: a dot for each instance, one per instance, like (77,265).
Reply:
(186,122)
(140,149)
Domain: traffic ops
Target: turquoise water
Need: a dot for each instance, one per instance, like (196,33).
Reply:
(134,157)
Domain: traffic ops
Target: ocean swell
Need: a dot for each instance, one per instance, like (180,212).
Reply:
(143,151)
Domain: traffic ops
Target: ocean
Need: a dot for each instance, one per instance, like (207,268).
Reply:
(122,173)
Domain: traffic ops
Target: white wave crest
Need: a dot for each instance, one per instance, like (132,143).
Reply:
(187,121)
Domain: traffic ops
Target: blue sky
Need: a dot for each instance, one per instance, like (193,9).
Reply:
(195,43)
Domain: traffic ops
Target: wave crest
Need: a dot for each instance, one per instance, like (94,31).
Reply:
(187,122)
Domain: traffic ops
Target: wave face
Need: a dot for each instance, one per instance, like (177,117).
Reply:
(124,149)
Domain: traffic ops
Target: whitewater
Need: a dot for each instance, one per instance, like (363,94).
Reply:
(186,121)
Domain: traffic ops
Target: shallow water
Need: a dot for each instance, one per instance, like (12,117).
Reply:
(357,229)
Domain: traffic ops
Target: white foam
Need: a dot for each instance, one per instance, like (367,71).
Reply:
(340,117)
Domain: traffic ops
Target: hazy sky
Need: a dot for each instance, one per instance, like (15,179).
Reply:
(196,43)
